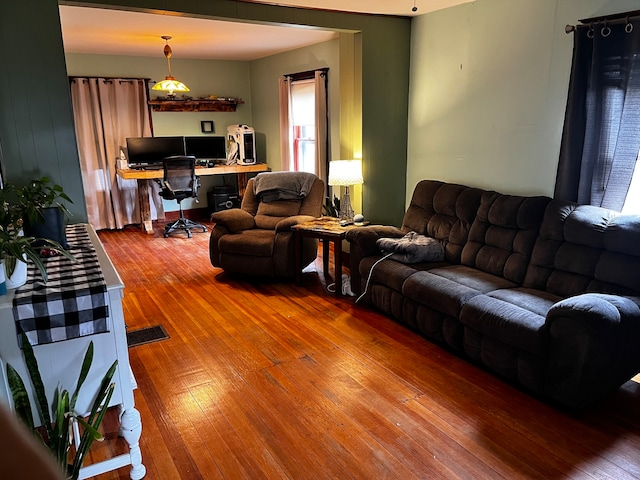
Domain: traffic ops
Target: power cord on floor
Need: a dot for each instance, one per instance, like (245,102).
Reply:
(346,286)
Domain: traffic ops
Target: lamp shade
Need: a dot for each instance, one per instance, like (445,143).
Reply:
(170,84)
(345,172)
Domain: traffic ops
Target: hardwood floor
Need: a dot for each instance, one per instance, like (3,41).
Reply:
(270,380)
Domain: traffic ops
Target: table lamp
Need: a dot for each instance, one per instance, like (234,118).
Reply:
(345,173)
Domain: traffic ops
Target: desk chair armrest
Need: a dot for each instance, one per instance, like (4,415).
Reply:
(234,219)
(285,224)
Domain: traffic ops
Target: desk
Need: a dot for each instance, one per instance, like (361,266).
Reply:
(327,230)
(145,176)
(59,364)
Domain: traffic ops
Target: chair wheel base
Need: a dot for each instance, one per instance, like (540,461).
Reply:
(182,224)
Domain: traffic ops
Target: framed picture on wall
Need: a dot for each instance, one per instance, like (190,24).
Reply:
(206,126)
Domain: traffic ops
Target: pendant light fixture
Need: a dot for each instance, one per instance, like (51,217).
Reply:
(169,84)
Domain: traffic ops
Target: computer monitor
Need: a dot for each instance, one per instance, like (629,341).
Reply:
(206,147)
(151,150)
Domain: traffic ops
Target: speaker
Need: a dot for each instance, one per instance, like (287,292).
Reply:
(222,198)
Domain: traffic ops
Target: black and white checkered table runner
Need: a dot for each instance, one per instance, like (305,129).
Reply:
(73,303)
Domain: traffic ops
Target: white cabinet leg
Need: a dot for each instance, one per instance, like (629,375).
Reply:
(130,430)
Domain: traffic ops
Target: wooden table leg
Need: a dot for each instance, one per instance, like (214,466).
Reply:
(145,208)
(242,183)
(337,259)
(298,255)
(325,257)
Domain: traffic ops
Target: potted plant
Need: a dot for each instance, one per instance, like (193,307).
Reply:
(56,429)
(331,209)
(16,248)
(44,212)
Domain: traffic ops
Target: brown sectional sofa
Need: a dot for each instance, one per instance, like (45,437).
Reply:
(543,292)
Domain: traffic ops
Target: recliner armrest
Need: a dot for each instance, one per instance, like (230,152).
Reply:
(234,219)
(285,224)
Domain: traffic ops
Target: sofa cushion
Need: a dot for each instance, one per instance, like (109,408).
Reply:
(270,213)
(582,248)
(514,316)
(389,272)
(444,211)
(503,235)
(448,289)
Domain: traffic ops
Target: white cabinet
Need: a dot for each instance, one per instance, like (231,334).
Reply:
(60,362)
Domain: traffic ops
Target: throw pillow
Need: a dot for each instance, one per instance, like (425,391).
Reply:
(412,248)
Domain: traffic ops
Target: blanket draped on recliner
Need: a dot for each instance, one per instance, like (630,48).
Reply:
(272,186)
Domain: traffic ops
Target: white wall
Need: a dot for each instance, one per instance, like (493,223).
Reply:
(488,89)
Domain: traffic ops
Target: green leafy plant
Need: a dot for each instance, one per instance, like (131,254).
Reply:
(14,245)
(55,432)
(40,194)
(331,209)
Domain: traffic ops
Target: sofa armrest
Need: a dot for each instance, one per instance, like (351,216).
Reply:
(362,243)
(365,237)
(285,224)
(593,346)
(234,219)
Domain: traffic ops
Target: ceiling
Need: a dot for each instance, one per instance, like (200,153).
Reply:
(119,32)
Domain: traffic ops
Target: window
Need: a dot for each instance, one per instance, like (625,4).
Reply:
(632,201)
(303,113)
(304,122)
(601,136)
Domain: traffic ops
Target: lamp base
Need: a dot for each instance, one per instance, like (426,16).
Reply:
(346,211)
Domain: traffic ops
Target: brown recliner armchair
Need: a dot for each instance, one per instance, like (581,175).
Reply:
(257,238)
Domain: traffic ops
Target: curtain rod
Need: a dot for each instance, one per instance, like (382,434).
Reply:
(613,19)
(109,78)
(305,75)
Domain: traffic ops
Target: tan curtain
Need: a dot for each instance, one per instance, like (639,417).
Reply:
(322,120)
(106,112)
(286,144)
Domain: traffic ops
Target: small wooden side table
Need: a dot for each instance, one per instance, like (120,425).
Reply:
(327,230)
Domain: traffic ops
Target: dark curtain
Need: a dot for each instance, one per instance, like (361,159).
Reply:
(601,136)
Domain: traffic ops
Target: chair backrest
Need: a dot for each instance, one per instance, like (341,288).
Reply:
(268,214)
(180,175)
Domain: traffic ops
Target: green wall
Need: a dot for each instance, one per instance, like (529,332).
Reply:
(38,54)
(36,120)
(488,91)
(204,78)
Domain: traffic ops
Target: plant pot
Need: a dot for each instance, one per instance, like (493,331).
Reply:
(52,228)
(19,276)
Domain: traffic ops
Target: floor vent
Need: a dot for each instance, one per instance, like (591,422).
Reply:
(146,335)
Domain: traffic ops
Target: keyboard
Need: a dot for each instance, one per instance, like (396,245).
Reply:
(146,167)
(210,162)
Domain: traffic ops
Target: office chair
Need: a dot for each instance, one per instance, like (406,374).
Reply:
(180,182)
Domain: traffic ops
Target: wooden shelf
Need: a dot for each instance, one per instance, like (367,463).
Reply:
(214,105)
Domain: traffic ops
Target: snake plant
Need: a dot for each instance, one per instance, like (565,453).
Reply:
(56,430)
